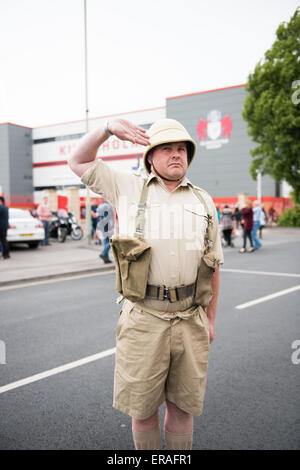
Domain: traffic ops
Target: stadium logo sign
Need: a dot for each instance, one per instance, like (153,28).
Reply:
(214,132)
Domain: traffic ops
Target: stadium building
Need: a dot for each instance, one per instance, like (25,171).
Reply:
(34,161)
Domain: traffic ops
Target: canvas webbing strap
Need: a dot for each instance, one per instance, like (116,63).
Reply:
(140,217)
(208,234)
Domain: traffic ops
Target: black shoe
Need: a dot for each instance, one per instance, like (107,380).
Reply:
(6,257)
(105,259)
(48,244)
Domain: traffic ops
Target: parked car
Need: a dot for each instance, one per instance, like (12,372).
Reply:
(24,228)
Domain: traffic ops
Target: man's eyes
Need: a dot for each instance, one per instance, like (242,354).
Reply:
(168,149)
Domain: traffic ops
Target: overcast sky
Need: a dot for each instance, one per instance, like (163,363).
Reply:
(139,52)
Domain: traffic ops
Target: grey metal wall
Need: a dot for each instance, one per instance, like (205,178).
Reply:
(4,159)
(20,151)
(223,171)
(16,160)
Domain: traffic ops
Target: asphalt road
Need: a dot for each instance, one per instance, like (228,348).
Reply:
(252,397)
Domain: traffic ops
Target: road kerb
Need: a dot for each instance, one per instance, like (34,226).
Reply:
(56,276)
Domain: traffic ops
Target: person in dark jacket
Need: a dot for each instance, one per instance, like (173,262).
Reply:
(247,215)
(237,217)
(3,228)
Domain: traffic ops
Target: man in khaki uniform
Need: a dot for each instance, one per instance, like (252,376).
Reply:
(162,339)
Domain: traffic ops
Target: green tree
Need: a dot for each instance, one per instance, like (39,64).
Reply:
(272,108)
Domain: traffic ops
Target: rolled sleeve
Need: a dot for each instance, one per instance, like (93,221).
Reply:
(102,180)
(110,183)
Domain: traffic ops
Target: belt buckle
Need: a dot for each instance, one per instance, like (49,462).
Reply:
(166,293)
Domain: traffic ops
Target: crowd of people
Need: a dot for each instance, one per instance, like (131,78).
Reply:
(248,221)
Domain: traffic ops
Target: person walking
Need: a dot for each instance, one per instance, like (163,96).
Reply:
(44,213)
(3,228)
(167,255)
(106,226)
(247,216)
(257,216)
(227,224)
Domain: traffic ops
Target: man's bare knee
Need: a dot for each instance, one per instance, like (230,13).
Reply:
(146,424)
(177,420)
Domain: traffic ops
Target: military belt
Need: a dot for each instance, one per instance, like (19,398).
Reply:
(173,294)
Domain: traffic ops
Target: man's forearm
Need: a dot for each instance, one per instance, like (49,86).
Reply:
(212,307)
(85,152)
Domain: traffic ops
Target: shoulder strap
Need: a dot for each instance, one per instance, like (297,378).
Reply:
(208,234)
(140,217)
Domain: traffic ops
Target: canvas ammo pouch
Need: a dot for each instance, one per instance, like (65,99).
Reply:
(132,257)
(208,265)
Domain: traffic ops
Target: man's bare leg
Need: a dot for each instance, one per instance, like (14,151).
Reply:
(178,427)
(146,433)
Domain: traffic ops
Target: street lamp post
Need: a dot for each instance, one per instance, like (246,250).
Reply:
(258,185)
(88,198)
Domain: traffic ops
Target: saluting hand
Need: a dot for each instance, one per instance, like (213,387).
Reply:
(126,130)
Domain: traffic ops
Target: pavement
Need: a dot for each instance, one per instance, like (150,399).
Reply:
(73,258)
(70,258)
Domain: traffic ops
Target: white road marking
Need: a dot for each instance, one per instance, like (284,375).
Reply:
(56,370)
(264,273)
(268,297)
(57,279)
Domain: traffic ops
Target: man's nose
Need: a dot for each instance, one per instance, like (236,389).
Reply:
(175,154)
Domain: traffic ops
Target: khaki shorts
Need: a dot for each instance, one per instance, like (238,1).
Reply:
(158,359)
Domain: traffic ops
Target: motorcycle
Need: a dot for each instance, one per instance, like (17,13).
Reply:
(73,228)
(58,227)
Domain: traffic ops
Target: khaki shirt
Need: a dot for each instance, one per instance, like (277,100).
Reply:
(175,227)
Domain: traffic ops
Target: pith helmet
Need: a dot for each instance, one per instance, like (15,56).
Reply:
(168,130)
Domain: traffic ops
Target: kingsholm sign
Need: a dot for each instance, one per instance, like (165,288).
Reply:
(210,132)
